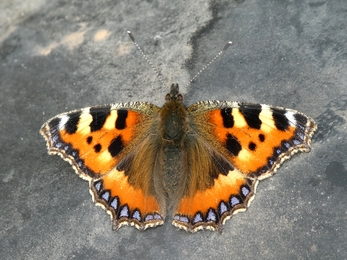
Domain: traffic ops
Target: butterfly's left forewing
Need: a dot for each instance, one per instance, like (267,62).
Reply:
(98,142)
(246,142)
(255,138)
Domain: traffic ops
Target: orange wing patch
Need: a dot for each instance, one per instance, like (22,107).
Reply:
(125,204)
(209,209)
(255,138)
(250,148)
(94,140)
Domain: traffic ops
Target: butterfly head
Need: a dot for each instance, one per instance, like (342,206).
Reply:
(174,94)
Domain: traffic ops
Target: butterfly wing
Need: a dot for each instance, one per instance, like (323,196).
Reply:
(99,142)
(246,143)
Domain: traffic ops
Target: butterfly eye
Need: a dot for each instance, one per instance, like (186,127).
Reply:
(168,97)
(180,97)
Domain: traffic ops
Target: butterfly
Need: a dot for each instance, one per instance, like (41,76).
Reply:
(202,163)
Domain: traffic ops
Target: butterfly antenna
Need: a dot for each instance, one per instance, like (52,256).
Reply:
(146,58)
(208,64)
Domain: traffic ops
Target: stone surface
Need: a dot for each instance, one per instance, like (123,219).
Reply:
(62,55)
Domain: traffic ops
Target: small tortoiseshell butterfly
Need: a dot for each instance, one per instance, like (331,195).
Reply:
(203,162)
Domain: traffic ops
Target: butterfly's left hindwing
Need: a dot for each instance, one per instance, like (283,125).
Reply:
(95,141)
(251,141)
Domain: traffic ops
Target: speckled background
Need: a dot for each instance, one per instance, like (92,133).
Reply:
(62,55)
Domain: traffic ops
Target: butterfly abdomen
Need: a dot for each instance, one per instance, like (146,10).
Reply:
(173,171)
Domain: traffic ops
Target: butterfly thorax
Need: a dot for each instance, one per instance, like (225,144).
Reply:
(173,118)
